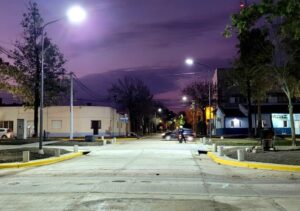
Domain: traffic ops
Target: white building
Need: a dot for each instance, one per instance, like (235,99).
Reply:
(88,120)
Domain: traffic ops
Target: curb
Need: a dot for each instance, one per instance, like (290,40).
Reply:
(253,165)
(41,162)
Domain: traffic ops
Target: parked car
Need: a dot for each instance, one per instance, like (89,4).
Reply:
(6,133)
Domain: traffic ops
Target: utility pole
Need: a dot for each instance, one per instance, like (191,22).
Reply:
(71,107)
(209,102)
(155,122)
(194,111)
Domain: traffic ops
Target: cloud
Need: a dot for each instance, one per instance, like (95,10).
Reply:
(160,34)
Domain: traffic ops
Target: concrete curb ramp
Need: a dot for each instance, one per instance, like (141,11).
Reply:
(41,162)
(254,165)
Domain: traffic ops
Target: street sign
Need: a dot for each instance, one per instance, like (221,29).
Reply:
(124,119)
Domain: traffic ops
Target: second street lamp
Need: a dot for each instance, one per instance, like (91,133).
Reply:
(75,15)
(191,62)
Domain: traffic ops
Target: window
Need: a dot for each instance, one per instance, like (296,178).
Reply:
(235,123)
(96,124)
(232,100)
(7,124)
(285,123)
(56,124)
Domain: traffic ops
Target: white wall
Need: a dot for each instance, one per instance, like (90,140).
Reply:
(219,119)
(83,115)
(239,122)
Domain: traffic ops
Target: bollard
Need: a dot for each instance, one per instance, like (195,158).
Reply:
(104,142)
(114,140)
(204,140)
(241,154)
(102,138)
(75,148)
(26,156)
(222,137)
(220,151)
(201,140)
(57,152)
(209,141)
(214,147)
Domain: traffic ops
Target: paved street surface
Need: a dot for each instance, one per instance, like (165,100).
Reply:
(148,174)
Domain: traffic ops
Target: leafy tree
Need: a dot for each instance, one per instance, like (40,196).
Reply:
(134,97)
(281,17)
(199,91)
(180,120)
(251,74)
(193,116)
(25,75)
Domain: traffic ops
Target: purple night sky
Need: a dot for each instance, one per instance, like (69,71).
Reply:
(148,39)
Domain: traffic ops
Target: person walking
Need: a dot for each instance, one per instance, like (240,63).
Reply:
(181,136)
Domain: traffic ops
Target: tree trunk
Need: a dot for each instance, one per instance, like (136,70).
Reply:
(292,120)
(205,123)
(259,119)
(249,109)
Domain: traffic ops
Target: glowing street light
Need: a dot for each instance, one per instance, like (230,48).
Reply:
(75,14)
(159,110)
(184,98)
(189,61)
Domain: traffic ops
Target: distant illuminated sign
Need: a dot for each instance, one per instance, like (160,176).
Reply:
(280,116)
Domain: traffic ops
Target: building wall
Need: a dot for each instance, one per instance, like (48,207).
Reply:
(57,120)
(236,122)
(266,118)
(281,123)
(219,119)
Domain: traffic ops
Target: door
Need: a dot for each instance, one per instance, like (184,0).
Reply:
(96,125)
(21,129)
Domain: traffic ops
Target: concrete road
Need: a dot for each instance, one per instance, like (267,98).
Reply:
(148,174)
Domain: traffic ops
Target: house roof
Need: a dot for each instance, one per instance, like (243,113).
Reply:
(268,109)
(232,112)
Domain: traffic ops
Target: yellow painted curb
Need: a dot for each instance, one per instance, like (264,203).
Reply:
(254,165)
(41,162)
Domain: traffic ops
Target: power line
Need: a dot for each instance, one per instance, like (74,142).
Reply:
(91,93)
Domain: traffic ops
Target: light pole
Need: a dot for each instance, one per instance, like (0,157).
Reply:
(193,108)
(191,62)
(159,110)
(75,14)
(71,107)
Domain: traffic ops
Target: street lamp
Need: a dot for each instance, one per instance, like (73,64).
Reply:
(184,98)
(159,110)
(75,14)
(191,62)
